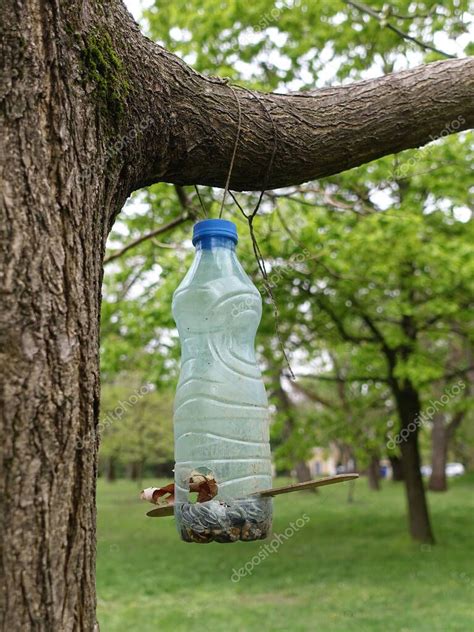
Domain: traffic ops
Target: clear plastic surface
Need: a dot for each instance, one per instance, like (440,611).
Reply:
(221,409)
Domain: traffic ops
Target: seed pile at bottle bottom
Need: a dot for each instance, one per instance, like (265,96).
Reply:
(219,521)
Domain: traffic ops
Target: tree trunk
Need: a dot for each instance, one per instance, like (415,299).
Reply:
(91,111)
(439,454)
(441,436)
(303,472)
(409,409)
(350,492)
(55,214)
(285,406)
(373,473)
(110,470)
(135,472)
(397,468)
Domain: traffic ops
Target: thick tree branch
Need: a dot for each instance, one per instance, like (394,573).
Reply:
(318,134)
(191,120)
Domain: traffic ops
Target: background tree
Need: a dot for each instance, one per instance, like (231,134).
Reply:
(135,428)
(91,111)
(367,285)
(445,426)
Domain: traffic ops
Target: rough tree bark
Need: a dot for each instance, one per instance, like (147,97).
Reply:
(92,110)
(56,211)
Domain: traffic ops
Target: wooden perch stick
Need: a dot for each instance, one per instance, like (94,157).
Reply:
(168,510)
(297,487)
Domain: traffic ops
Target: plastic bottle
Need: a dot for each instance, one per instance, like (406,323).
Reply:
(221,422)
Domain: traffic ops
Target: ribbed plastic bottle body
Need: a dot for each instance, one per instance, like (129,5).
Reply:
(221,409)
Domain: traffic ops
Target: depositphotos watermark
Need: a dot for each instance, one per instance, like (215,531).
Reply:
(265,21)
(268,549)
(112,416)
(276,275)
(427,414)
(452,127)
(119,144)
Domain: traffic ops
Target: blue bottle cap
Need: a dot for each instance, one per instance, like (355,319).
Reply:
(214,228)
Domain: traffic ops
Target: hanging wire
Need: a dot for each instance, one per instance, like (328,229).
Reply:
(272,157)
(237,138)
(204,210)
(250,217)
(266,282)
(256,248)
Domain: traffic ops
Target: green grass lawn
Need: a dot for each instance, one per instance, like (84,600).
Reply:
(350,567)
